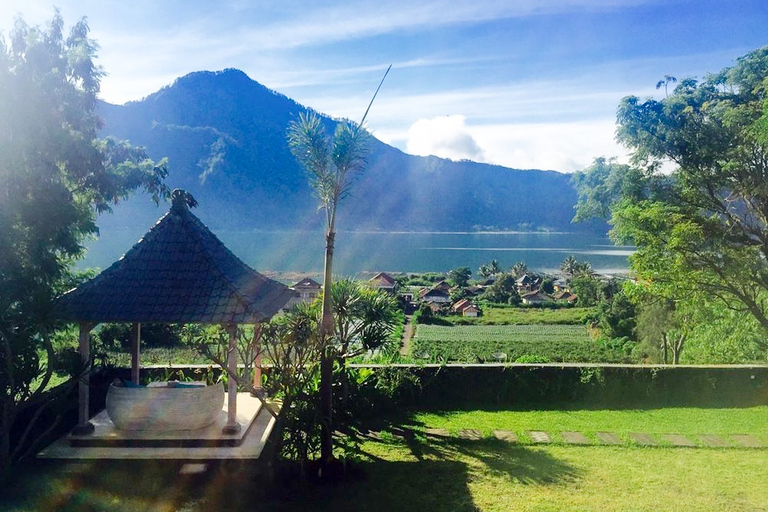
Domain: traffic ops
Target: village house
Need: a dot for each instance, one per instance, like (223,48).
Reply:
(535,297)
(526,283)
(466,308)
(384,282)
(565,295)
(437,295)
(306,290)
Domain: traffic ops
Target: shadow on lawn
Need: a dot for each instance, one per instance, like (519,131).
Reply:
(157,486)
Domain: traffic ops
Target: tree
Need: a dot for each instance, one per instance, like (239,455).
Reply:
(588,289)
(716,133)
(490,269)
(519,269)
(459,276)
(503,291)
(332,165)
(702,227)
(668,79)
(55,175)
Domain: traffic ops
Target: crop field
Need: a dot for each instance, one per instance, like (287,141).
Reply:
(508,343)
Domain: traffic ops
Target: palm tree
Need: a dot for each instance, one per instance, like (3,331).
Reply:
(519,269)
(584,269)
(668,79)
(569,266)
(494,267)
(331,165)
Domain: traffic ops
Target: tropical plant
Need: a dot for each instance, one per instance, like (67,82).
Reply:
(519,269)
(332,165)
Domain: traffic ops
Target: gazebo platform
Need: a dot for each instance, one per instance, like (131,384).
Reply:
(210,443)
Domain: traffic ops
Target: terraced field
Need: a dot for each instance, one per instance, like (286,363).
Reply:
(508,343)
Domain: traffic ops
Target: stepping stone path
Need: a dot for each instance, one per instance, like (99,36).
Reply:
(538,436)
(643,439)
(609,438)
(677,440)
(505,435)
(747,441)
(575,438)
(437,432)
(713,440)
(470,434)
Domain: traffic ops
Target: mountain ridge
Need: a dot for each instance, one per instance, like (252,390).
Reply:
(225,136)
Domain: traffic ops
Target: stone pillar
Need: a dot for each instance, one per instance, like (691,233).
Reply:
(232,425)
(84,426)
(135,352)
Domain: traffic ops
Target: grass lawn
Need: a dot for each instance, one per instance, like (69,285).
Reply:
(675,420)
(420,473)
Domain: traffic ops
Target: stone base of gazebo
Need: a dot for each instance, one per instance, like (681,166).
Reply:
(210,443)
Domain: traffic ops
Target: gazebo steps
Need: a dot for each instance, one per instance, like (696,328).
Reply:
(106,442)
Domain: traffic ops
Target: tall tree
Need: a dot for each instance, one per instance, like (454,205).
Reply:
(709,229)
(55,175)
(331,164)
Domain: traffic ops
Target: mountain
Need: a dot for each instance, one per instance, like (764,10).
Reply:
(225,137)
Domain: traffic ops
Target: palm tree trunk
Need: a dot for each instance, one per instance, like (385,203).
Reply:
(326,358)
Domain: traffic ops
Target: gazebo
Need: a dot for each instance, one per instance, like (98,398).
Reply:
(179,272)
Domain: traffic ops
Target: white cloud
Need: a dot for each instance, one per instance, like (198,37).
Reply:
(444,136)
(564,147)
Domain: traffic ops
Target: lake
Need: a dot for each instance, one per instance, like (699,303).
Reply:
(356,252)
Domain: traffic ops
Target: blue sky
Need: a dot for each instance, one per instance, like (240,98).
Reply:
(519,83)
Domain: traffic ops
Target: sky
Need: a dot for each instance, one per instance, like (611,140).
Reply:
(527,84)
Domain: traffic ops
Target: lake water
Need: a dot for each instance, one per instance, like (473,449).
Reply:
(356,252)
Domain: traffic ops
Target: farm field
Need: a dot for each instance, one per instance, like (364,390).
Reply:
(510,315)
(510,343)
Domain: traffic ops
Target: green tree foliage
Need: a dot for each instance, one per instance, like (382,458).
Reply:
(503,291)
(55,174)
(601,185)
(616,316)
(588,289)
(460,276)
(708,230)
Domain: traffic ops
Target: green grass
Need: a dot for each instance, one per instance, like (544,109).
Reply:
(490,343)
(498,315)
(680,420)
(421,473)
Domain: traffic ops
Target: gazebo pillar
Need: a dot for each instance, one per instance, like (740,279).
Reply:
(84,426)
(232,425)
(257,389)
(135,352)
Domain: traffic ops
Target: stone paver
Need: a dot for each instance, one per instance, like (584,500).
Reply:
(539,436)
(505,435)
(746,440)
(193,468)
(713,440)
(643,438)
(575,438)
(677,440)
(470,434)
(437,432)
(609,438)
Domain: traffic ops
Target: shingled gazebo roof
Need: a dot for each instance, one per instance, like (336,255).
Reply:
(179,272)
